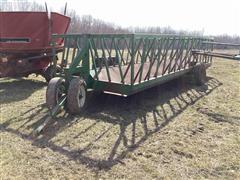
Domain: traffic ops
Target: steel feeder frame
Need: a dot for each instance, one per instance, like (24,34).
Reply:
(124,64)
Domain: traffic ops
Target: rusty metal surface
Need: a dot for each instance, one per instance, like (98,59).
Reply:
(22,65)
(115,78)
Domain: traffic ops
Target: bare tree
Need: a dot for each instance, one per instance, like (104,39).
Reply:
(20,5)
(88,24)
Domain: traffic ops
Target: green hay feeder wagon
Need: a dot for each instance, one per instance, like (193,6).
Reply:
(121,64)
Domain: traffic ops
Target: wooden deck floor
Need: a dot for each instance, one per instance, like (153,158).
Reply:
(116,78)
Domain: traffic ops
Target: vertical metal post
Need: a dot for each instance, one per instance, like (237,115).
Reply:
(132,58)
(54,55)
(86,62)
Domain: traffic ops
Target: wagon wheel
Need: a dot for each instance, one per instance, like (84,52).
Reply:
(48,73)
(199,74)
(55,91)
(76,96)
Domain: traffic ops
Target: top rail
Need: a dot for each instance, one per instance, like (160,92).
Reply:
(135,35)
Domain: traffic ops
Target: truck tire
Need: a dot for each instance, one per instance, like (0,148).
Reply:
(55,91)
(199,74)
(76,96)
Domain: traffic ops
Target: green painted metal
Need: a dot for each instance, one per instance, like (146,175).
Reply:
(126,62)
(211,53)
(52,113)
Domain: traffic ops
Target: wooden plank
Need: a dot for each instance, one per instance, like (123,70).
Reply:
(115,74)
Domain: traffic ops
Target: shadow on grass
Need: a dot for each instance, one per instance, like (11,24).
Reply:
(12,90)
(123,113)
(219,118)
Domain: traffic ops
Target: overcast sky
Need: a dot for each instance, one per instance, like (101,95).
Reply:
(213,16)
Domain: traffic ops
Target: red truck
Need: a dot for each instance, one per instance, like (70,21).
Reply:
(25,42)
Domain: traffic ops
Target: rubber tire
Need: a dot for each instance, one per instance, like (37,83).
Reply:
(200,75)
(48,72)
(52,96)
(77,87)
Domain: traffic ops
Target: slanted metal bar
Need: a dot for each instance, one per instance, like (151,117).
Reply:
(118,49)
(128,48)
(188,55)
(166,55)
(122,53)
(196,44)
(172,56)
(186,43)
(137,49)
(162,41)
(126,71)
(144,59)
(93,60)
(129,64)
(105,59)
(179,64)
(109,49)
(154,57)
(119,63)
(165,68)
(178,55)
(96,54)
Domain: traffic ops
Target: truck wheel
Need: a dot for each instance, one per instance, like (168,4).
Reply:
(48,73)
(199,74)
(76,96)
(55,91)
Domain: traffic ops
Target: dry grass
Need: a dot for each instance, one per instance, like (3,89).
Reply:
(176,130)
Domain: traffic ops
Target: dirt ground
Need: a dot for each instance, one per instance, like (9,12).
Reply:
(173,131)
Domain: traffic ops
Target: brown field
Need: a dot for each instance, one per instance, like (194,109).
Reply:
(173,131)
